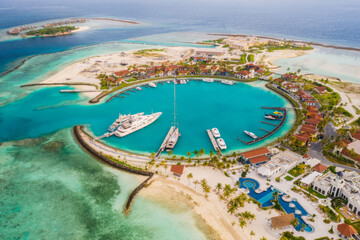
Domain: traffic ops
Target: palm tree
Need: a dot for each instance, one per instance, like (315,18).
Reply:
(170,152)
(202,152)
(252,233)
(232,207)
(294,222)
(196,182)
(263,238)
(189,176)
(188,154)
(211,153)
(242,223)
(196,152)
(276,195)
(218,187)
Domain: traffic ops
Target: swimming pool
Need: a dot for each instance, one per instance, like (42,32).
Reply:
(265,198)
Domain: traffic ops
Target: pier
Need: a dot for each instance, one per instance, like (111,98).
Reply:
(269,123)
(131,90)
(269,132)
(213,141)
(163,145)
(78,91)
(265,130)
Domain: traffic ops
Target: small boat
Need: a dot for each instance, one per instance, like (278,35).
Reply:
(221,143)
(168,81)
(278,113)
(138,88)
(152,85)
(250,134)
(182,81)
(227,82)
(173,139)
(208,80)
(269,117)
(215,132)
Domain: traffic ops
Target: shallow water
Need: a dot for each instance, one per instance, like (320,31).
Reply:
(326,61)
(51,189)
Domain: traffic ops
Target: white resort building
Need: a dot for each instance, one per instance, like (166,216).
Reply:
(279,163)
(345,185)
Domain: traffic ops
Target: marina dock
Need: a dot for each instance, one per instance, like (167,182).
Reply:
(269,132)
(163,145)
(213,141)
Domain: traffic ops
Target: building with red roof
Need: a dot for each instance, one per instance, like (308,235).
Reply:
(255,157)
(347,231)
(177,170)
(320,168)
(320,90)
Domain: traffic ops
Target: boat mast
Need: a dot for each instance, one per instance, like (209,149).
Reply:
(175,105)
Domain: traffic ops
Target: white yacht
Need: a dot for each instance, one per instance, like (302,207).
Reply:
(221,143)
(228,82)
(173,139)
(215,132)
(138,88)
(182,81)
(208,80)
(122,118)
(135,122)
(152,85)
(270,117)
(251,134)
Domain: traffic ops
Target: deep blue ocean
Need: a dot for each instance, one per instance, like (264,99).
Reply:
(322,21)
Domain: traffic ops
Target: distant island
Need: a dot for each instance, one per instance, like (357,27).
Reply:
(18,30)
(50,31)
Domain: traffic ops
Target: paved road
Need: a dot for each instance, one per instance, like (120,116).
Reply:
(330,130)
(315,151)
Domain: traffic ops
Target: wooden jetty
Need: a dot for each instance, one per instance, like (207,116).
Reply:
(213,141)
(146,86)
(125,93)
(271,132)
(131,90)
(161,83)
(163,145)
(269,123)
(265,130)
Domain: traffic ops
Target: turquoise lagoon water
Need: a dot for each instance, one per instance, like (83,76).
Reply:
(51,189)
(325,61)
(200,106)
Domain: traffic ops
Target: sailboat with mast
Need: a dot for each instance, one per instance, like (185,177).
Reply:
(175,134)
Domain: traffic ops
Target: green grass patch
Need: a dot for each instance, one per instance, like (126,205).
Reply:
(315,193)
(330,213)
(288,178)
(298,170)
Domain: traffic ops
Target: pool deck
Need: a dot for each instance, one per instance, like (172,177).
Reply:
(320,229)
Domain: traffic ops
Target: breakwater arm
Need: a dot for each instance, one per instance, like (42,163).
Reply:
(79,134)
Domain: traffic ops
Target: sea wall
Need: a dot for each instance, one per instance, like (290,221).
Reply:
(78,134)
